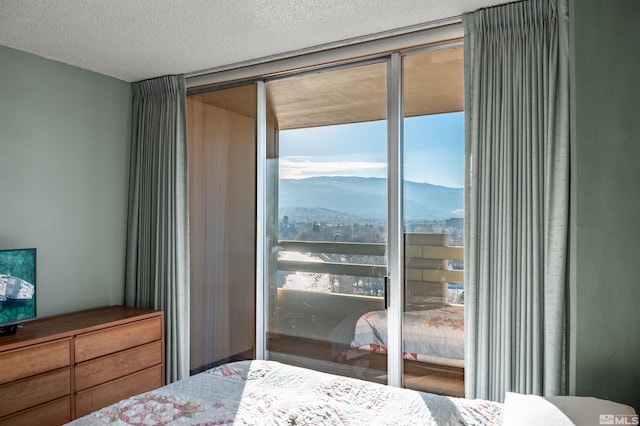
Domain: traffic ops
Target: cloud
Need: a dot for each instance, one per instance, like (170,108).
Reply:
(301,167)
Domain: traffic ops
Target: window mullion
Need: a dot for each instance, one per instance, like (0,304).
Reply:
(395,234)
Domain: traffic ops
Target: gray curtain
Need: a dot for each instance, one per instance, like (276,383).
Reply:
(517,199)
(157,266)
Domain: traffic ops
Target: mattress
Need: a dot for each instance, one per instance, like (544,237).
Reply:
(430,335)
(272,393)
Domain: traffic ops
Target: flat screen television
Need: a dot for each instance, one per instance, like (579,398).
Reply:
(17,288)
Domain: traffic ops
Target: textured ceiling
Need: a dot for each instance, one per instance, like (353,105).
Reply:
(136,39)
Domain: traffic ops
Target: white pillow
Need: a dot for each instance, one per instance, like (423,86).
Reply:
(532,410)
(586,410)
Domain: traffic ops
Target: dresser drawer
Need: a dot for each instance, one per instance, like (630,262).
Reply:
(114,339)
(100,396)
(53,413)
(104,369)
(36,390)
(32,360)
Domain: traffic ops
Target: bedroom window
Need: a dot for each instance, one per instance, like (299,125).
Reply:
(331,196)
(353,182)
(433,312)
(327,295)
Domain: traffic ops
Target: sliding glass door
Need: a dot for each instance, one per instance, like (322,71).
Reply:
(350,177)
(364,231)
(433,227)
(327,197)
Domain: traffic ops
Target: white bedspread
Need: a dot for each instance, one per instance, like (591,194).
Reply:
(270,393)
(434,335)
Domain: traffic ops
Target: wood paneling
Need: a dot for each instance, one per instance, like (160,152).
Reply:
(334,97)
(222,217)
(433,84)
(239,100)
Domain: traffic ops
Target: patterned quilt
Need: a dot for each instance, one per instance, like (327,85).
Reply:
(434,335)
(271,393)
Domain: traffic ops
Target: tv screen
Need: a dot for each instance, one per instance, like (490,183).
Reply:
(17,288)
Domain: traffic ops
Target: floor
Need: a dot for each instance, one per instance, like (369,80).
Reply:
(317,354)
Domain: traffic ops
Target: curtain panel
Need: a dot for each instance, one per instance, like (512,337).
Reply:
(517,198)
(157,263)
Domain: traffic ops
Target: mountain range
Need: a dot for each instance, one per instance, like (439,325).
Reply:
(330,196)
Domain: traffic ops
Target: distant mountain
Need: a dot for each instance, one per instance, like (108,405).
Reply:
(332,196)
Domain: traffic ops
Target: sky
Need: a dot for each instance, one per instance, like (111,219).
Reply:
(433,150)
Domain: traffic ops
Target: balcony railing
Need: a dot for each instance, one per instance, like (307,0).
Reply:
(426,258)
(335,268)
(427,280)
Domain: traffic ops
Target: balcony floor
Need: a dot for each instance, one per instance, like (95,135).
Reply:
(316,354)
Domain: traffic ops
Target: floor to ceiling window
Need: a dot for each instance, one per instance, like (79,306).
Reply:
(329,252)
(326,217)
(327,288)
(433,172)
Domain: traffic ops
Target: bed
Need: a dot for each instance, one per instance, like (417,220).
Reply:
(272,393)
(433,336)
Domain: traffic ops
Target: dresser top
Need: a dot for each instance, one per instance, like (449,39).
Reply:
(59,326)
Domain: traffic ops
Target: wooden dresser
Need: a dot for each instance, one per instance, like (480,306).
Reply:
(59,368)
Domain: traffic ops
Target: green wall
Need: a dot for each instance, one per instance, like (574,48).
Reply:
(64,156)
(605,242)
